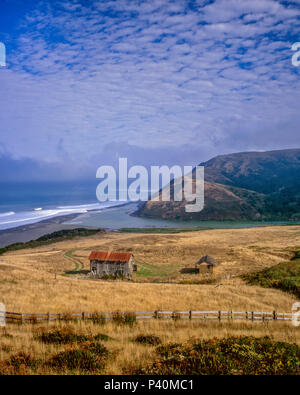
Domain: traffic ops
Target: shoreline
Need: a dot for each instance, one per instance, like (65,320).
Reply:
(22,234)
(28,232)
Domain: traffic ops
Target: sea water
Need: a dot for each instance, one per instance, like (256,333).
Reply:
(27,203)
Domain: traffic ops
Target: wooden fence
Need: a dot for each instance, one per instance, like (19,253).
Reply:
(175,315)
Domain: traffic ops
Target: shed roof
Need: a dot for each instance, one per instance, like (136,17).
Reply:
(206,260)
(110,256)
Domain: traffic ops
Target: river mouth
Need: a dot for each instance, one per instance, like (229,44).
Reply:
(121,217)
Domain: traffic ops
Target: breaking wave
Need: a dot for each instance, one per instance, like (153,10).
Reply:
(7,214)
(11,219)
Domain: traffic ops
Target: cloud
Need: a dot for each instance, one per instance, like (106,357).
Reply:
(154,77)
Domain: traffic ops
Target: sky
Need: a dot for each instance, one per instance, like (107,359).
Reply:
(161,82)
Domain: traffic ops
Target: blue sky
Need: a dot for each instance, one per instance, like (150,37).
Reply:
(159,82)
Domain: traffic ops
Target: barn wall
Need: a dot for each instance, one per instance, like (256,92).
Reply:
(106,268)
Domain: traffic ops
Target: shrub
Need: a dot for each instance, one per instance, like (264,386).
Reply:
(176,316)
(63,335)
(90,357)
(98,319)
(244,355)
(6,348)
(97,349)
(151,340)
(124,318)
(76,359)
(284,276)
(69,317)
(102,337)
(18,364)
(33,319)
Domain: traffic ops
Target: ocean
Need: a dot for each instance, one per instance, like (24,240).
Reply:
(25,203)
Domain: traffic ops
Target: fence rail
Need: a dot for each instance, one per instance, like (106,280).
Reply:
(175,315)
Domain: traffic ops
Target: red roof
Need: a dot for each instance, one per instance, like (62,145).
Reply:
(106,256)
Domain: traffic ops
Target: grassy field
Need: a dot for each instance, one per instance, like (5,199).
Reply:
(85,348)
(51,278)
(28,283)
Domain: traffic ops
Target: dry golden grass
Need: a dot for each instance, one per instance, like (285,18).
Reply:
(27,282)
(17,338)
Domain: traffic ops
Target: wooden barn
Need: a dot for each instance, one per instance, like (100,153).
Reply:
(206,265)
(104,263)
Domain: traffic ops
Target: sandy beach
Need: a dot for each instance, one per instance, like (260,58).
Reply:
(22,234)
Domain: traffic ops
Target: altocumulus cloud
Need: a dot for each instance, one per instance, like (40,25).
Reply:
(176,80)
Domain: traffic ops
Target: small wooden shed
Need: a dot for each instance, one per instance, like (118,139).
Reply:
(206,264)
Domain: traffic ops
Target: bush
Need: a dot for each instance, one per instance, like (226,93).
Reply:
(176,316)
(19,364)
(63,335)
(244,355)
(124,318)
(97,349)
(67,335)
(69,317)
(90,357)
(33,319)
(102,337)
(98,319)
(284,276)
(76,359)
(151,340)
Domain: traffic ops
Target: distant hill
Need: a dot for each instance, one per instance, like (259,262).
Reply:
(264,172)
(242,186)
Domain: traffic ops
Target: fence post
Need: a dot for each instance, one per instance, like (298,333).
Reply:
(252,315)
(48,316)
(274,315)
(246,315)
(190,314)
(83,316)
(219,316)
(155,314)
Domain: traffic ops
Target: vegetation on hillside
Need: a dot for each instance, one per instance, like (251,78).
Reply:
(242,186)
(264,172)
(284,276)
(51,238)
(233,355)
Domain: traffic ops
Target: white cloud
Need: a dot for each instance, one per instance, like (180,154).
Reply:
(152,74)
